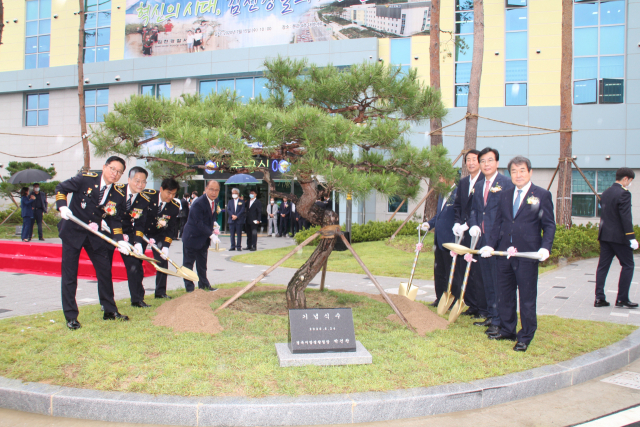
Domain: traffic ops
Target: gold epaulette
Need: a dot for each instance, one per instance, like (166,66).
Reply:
(139,234)
(630,233)
(118,190)
(144,196)
(90,174)
(117,231)
(60,196)
(175,203)
(149,191)
(168,239)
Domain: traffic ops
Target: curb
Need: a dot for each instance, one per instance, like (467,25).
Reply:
(309,410)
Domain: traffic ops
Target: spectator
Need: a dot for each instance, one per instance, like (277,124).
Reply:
(39,209)
(26,203)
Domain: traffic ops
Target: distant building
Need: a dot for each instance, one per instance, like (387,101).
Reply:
(403,19)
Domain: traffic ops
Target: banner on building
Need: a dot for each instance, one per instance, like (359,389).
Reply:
(165,27)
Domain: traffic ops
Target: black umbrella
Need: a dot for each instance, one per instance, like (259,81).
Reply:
(28,176)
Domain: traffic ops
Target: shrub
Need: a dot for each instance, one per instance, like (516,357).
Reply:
(369,232)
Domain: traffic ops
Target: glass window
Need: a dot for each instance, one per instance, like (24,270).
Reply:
(605,180)
(463,72)
(157,91)
(585,68)
(244,89)
(516,19)
(611,67)
(96,104)
(464,22)
(207,87)
(464,4)
(585,14)
(516,94)
(97,27)
(400,51)
(37,32)
(37,109)
(260,88)
(585,91)
(148,90)
(462,96)
(224,85)
(516,71)
(516,44)
(612,12)
(612,40)
(578,183)
(394,202)
(164,91)
(464,48)
(583,205)
(583,200)
(516,2)
(585,42)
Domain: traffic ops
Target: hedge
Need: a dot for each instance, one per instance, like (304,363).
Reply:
(369,232)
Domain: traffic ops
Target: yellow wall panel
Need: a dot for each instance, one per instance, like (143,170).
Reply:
(447,47)
(384,49)
(116,51)
(545,27)
(12,48)
(420,49)
(492,83)
(64,33)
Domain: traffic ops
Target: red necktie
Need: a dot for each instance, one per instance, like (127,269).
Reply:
(486,194)
(213,205)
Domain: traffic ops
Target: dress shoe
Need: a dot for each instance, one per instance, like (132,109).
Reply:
(209,288)
(470,313)
(435,303)
(485,322)
(41,239)
(253,249)
(73,324)
(239,249)
(500,337)
(601,303)
(140,304)
(492,330)
(520,346)
(165,296)
(628,304)
(247,248)
(114,316)
(277,235)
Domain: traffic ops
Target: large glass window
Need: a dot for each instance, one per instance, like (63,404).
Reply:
(246,88)
(394,202)
(516,53)
(583,201)
(96,104)
(464,50)
(38,34)
(97,30)
(157,90)
(598,40)
(37,109)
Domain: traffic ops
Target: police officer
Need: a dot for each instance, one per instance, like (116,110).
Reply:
(616,238)
(98,203)
(133,222)
(161,225)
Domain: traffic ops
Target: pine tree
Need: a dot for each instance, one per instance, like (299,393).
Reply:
(341,129)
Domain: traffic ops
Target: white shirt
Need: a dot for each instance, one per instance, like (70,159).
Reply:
(472,182)
(293,207)
(489,181)
(129,193)
(211,202)
(106,191)
(251,202)
(525,189)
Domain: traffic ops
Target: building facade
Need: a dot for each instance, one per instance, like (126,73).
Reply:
(39,112)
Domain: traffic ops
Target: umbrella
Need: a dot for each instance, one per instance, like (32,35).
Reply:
(28,176)
(242,178)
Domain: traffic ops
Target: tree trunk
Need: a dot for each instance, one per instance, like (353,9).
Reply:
(471,130)
(307,207)
(563,205)
(83,116)
(431,204)
(1,20)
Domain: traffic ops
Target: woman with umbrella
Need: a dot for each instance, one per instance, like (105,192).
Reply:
(26,203)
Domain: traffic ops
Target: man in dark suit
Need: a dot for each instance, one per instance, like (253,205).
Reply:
(39,208)
(484,208)
(161,225)
(95,200)
(236,211)
(295,220)
(442,226)
(474,296)
(254,218)
(133,221)
(184,212)
(617,238)
(284,213)
(198,234)
(524,222)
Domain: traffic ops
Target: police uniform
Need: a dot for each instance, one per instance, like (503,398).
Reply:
(87,207)
(133,222)
(161,226)
(615,233)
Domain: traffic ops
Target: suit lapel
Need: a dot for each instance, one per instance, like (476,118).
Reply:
(524,200)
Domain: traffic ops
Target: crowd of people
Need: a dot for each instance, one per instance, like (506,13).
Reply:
(492,212)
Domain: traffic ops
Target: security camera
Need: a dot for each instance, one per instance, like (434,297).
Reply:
(29,84)
(117,78)
(370,56)
(15,21)
(497,53)
(380,59)
(86,81)
(415,57)
(1,165)
(537,51)
(608,157)
(48,83)
(55,16)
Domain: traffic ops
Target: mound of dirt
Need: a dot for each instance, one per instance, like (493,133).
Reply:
(192,312)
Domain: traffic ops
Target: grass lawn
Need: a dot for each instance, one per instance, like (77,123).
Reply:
(137,356)
(393,259)
(8,231)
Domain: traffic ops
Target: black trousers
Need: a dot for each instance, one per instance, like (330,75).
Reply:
(252,235)
(441,272)
(102,260)
(199,257)
(183,222)
(474,296)
(37,216)
(161,278)
(295,226)
(515,274)
(284,226)
(624,253)
(235,231)
(135,274)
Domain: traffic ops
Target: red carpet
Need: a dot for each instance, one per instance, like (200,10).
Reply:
(44,259)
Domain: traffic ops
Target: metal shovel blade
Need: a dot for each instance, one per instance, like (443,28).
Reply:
(165,271)
(188,274)
(402,290)
(457,310)
(445,302)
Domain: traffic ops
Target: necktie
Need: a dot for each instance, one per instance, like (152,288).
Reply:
(213,207)
(102,190)
(486,192)
(129,202)
(516,204)
(160,207)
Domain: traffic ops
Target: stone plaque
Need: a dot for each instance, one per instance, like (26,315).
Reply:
(321,330)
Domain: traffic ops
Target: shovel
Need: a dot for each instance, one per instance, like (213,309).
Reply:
(463,250)
(183,272)
(447,298)
(110,240)
(459,306)
(405,289)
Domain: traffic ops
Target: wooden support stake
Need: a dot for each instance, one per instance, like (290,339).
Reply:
(324,274)
(269,270)
(5,220)
(553,177)
(397,209)
(375,282)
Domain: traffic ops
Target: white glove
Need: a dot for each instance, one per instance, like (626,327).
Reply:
(138,249)
(215,224)
(165,253)
(544,254)
(214,239)
(464,227)
(485,251)
(456,229)
(425,226)
(65,212)
(475,231)
(634,244)
(123,247)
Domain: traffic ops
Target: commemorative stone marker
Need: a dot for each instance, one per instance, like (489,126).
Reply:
(321,330)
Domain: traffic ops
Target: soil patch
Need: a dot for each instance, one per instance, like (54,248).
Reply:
(192,312)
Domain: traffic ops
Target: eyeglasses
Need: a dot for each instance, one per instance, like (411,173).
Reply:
(116,171)
(487,161)
(139,182)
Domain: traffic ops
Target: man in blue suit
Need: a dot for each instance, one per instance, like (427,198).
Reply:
(284,213)
(236,214)
(484,208)
(197,235)
(442,224)
(474,296)
(524,222)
